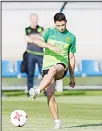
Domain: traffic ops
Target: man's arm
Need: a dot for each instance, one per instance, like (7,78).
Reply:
(28,39)
(29,36)
(41,43)
(71,69)
(71,64)
(35,39)
(32,37)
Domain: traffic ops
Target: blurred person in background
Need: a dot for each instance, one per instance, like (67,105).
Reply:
(60,46)
(34,52)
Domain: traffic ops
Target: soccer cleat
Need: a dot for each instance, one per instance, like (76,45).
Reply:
(33,93)
(57,124)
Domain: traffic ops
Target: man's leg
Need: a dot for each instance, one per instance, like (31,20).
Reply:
(40,62)
(54,72)
(50,91)
(48,83)
(30,75)
(51,100)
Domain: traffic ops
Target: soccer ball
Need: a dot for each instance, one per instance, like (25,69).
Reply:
(18,118)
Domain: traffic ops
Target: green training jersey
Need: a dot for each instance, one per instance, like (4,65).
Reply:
(66,41)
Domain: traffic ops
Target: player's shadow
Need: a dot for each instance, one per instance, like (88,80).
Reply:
(86,125)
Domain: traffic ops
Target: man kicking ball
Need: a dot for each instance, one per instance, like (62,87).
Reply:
(59,47)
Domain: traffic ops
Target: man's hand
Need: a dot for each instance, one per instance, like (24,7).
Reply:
(72,82)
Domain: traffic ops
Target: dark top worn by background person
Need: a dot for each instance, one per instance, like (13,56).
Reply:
(30,46)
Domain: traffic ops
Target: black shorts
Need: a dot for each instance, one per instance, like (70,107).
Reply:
(46,71)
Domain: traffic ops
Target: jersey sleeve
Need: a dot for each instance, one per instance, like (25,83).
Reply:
(73,46)
(40,29)
(26,31)
(45,34)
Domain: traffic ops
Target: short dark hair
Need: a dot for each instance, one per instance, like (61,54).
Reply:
(59,17)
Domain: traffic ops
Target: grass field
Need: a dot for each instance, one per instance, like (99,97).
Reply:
(80,110)
(78,113)
(79,81)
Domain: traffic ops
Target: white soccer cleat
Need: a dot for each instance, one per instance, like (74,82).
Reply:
(33,93)
(57,124)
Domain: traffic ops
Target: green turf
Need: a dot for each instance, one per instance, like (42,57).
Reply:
(64,93)
(85,81)
(78,113)
(79,81)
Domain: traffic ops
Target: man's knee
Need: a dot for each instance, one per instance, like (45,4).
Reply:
(52,71)
(50,95)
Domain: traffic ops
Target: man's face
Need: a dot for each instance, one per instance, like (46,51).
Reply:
(61,25)
(34,20)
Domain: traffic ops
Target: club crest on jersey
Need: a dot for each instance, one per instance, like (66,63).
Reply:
(68,39)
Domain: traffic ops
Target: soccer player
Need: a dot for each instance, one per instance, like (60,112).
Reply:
(59,47)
